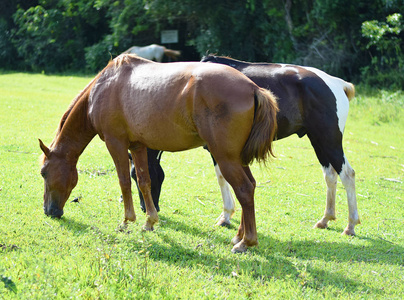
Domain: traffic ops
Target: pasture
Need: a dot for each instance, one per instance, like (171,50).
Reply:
(84,256)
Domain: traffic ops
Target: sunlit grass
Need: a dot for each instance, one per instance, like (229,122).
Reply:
(84,256)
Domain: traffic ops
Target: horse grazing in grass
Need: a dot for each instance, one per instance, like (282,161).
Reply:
(135,104)
(154,52)
(310,102)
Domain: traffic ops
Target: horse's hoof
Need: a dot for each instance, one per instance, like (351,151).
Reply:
(241,247)
(320,225)
(147,228)
(223,223)
(123,226)
(348,231)
(236,240)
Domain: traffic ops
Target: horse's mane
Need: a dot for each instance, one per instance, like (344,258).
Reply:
(116,64)
(217,58)
(83,93)
(124,58)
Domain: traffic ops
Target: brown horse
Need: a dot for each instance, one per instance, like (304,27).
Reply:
(135,103)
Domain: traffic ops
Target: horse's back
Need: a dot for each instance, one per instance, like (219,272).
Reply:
(304,94)
(171,106)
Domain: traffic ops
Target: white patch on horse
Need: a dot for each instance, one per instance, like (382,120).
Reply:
(347,176)
(330,176)
(336,86)
(228,200)
(286,68)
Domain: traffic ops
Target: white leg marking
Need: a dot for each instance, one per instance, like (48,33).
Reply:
(336,86)
(228,200)
(348,180)
(330,176)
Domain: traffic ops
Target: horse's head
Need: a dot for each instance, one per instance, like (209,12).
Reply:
(60,176)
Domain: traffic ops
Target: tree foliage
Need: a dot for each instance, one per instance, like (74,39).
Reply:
(385,43)
(346,38)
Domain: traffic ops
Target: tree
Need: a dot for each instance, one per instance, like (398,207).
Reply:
(52,35)
(385,44)
(58,35)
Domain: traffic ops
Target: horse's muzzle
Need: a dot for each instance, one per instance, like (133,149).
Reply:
(53,211)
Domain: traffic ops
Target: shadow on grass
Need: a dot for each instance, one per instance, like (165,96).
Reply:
(271,259)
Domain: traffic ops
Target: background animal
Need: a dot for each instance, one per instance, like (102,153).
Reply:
(154,52)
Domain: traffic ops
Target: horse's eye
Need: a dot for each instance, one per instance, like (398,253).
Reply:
(43,174)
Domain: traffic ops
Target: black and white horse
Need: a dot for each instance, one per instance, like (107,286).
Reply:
(156,175)
(310,102)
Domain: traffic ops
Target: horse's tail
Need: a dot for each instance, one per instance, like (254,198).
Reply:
(173,54)
(259,142)
(349,90)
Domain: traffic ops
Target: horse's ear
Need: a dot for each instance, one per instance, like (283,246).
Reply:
(44,149)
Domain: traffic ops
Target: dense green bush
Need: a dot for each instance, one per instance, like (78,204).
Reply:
(385,44)
(345,38)
(38,37)
(6,47)
(52,35)
(98,55)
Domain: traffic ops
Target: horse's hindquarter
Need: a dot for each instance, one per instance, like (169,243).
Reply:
(304,94)
(224,107)
(284,81)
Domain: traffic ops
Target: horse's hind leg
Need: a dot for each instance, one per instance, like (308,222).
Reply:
(347,176)
(332,158)
(243,187)
(330,176)
(228,200)
(240,232)
(139,156)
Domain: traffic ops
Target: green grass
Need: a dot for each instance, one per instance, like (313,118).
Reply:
(83,256)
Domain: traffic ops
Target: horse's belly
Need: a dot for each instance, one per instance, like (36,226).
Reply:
(165,136)
(161,127)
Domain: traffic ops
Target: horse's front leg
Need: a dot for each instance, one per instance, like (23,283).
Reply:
(139,156)
(119,153)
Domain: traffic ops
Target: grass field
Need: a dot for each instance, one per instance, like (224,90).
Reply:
(83,256)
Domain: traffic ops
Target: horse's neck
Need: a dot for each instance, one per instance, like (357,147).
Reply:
(76,133)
